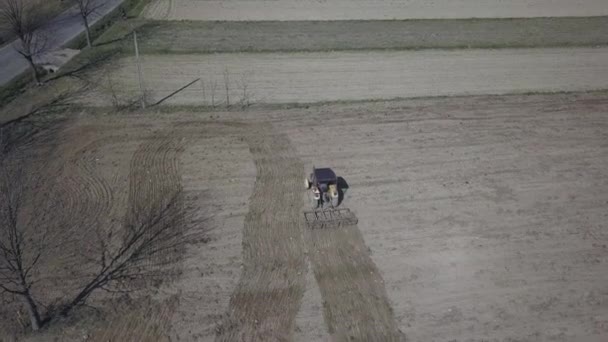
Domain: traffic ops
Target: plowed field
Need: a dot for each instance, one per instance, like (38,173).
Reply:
(479,217)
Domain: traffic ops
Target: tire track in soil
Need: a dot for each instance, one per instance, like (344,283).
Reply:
(355,304)
(77,198)
(154,172)
(71,199)
(268,295)
(88,194)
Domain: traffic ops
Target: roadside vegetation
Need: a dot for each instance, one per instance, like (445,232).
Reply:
(52,7)
(27,21)
(22,86)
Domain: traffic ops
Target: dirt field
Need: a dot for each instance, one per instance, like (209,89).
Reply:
(479,212)
(338,76)
(480,188)
(248,10)
(283,36)
(480,218)
(267,298)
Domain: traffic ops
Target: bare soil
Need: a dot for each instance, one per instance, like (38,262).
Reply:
(484,216)
(266,36)
(479,218)
(267,297)
(361,75)
(291,10)
(355,304)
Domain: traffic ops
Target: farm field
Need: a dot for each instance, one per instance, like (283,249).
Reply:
(479,217)
(163,197)
(179,37)
(341,76)
(292,10)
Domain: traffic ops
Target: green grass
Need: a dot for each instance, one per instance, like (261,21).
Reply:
(187,37)
(14,88)
(135,7)
(204,109)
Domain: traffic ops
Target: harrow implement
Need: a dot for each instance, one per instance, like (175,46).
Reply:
(330,218)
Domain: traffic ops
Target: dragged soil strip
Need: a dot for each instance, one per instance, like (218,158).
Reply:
(355,304)
(65,200)
(267,298)
(149,321)
(154,173)
(154,185)
(91,195)
(284,36)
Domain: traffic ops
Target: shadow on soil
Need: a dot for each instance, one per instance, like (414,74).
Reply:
(342,189)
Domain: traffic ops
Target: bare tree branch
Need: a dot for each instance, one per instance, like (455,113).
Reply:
(26,21)
(138,255)
(117,258)
(86,8)
(15,261)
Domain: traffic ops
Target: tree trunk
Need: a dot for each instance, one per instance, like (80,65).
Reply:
(34,71)
(32,311)
(87,30)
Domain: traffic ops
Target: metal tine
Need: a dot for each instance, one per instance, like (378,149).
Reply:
(330,218)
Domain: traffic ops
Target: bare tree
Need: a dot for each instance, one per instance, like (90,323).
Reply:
(19,253)
(140,252)
(121,258)
(247,95)
(86,8)
(26,21)
(24,242)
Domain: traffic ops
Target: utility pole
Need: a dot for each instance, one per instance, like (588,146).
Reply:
(139,73)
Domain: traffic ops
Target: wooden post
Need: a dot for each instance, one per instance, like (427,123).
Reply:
(139,73)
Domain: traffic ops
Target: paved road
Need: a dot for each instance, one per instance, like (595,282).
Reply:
(64,28)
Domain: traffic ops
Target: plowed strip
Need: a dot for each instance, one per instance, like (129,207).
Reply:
(355,307)
(154,173)
(267,298)
(90,195)
(154,184)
